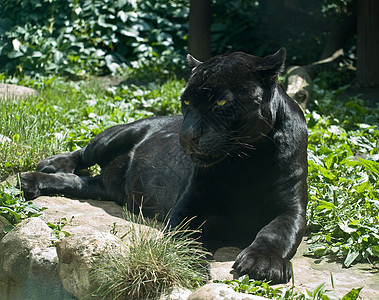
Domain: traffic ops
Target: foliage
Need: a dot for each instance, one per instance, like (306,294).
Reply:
(69,114)
(263,289)
(343,209)
(80,37)
(151,264)
(13,208)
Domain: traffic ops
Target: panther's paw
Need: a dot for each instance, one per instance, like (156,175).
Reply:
(46,166)
(258,266)
(29,185)
(61,163)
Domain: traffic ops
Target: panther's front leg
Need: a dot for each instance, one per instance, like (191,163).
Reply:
(61,163)
(268,257)
(188,212)
(35,184)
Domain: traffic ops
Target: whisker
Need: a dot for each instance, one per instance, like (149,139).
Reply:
(269,138)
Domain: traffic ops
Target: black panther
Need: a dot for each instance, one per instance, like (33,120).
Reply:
(235,160)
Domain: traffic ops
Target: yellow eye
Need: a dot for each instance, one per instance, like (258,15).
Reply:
(186,102)
(221,102)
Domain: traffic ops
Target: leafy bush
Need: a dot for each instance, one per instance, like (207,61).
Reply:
(14,209)
(343,210)
(76,38)
(81,37)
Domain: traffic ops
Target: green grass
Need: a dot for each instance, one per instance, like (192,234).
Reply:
(66,115)
(151,264)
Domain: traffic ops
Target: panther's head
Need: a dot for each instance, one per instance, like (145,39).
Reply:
(226,105)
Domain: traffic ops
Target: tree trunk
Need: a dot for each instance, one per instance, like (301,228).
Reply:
(200,29)
(368,42)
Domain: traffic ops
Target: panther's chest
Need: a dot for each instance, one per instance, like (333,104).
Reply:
(241,182)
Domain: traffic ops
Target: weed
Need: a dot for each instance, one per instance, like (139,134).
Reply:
(262,288)
(151,264)
(13,207)
(343,209)
(58,229)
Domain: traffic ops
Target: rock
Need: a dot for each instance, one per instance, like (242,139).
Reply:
(309,272)
(221,270)
(221,267)
(96,228)
(43,260)
(12,91)
(103,216)
(226,254)
(299,85)
(220,291)
(176,294)
(77,256)
(28,263)
(15,247)
(4,223)
(29,267)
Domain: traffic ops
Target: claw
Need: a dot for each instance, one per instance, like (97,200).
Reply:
(258,266)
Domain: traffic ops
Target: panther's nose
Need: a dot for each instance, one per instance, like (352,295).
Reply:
(191,129)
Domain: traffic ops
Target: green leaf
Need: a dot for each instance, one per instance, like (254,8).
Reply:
(325,205)
(123,16)
(352,295)
(351,257)
(101,21)
(346,228)
(365,186)
(370,165)
(245,279)
(15,54)
(131,32)
(320,251)
(374,250)
(317,249)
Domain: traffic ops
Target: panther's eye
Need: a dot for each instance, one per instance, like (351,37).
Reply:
(186,102)
(221,102)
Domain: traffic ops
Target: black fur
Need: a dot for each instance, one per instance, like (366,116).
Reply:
(236,159)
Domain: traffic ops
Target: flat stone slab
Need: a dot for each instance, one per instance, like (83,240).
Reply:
(103,216)
(309,271)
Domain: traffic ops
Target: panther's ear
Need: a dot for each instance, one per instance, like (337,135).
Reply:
(193,62)
(272,65)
